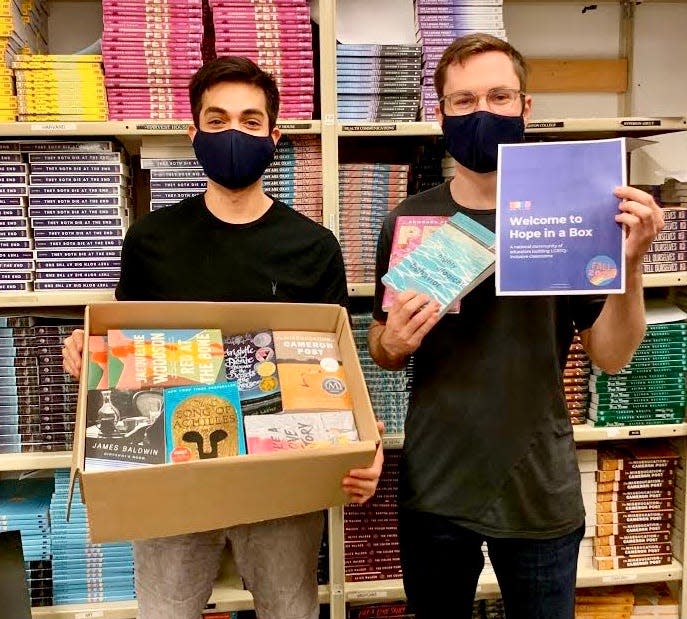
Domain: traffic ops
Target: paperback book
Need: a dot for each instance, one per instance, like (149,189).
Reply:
(251,361)
(555,226)
(311,372)
(124,428)
(286,431)
(409,232)
(448,263)
(141,358)
(203,421)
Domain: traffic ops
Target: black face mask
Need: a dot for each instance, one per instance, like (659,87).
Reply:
(232,158)
(473,139)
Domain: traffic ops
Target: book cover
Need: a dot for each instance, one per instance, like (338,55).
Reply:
(139,358)
(311,372)
(409,232)
(97,362)
(251,361)
(286,431)
(124,428)
(555,220)
(447,264)
(203,421)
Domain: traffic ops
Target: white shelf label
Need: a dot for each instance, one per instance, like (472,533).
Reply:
(619,578)
(91,614)
(57,127)
(368,595)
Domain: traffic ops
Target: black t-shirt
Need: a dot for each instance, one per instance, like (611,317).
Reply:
(184,253)
(488,441)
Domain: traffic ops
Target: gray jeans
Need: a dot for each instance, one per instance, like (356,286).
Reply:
(277,560)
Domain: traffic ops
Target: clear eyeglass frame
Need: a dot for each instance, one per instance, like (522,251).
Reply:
(466,102)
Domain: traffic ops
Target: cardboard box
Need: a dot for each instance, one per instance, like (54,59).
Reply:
(171,499)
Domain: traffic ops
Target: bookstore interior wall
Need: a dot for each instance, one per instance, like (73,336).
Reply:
(650,34)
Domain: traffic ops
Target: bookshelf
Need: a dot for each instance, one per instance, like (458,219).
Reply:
(228,593)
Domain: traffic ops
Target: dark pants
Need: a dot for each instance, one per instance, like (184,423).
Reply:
(442,562)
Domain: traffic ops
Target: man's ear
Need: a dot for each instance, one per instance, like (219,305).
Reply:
(276,134)
(527,109)
(192,130)
(439,115)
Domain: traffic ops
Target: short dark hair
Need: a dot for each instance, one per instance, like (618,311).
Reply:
(472,44)
(233,69)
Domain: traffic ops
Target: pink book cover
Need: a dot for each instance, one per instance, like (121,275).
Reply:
(409,232)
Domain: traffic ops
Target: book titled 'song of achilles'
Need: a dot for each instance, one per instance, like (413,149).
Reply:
(447,264)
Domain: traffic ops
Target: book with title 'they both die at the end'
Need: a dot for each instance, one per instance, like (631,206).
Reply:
(447,264)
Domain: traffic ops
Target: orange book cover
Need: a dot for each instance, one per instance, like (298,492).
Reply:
(310,371)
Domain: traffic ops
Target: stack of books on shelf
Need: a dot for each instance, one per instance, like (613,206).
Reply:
(54,87)
(635,505)
(24,507)
(23,27)
(576,382)
(670,256)
(388,390)
(587,463)
(85,572)
(295,175)
(150,50)
(378,82)
(367,192)
(275,34)
(39,399)
(79,195)
(371,530)
(439,22)
(650,389)
(651,600)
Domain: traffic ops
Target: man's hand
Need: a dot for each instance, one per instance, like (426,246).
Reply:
(643,219)
(71,353)
(360,484)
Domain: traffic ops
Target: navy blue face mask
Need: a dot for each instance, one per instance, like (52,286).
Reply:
(233,158)
(473,139)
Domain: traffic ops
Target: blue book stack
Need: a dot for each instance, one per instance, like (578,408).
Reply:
(388,390)
(85,572)
(24,507)
(438,23)
(367,192)
(378,82)
(295,175)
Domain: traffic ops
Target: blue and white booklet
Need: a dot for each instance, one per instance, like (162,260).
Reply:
(555,218)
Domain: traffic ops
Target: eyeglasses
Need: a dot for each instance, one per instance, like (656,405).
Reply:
(464,101)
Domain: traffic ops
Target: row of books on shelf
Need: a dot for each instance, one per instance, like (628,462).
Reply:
(171,395)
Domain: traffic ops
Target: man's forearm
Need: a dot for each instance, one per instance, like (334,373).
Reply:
(620,327)
(381,355)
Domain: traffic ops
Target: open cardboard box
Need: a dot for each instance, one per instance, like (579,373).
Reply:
(171,499)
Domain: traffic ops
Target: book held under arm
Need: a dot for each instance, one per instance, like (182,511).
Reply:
(447,264)
(555,220)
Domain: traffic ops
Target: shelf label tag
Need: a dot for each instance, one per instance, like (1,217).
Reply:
(552,124)
(179,126)
(90,614)
(367,595)
(53,126)
(379,128)
(294,126)
(655,122)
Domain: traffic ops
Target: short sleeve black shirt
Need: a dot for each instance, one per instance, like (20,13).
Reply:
(488,441)
(184,253)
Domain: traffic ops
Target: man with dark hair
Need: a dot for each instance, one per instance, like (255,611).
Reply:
(233,243)
(489,453)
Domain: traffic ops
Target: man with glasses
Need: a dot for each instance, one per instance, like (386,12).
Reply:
(489,453)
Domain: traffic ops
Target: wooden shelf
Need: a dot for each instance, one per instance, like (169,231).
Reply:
(559,127)
(57,298)
(31,461)
(127,128)
(224,597)
(391,590)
